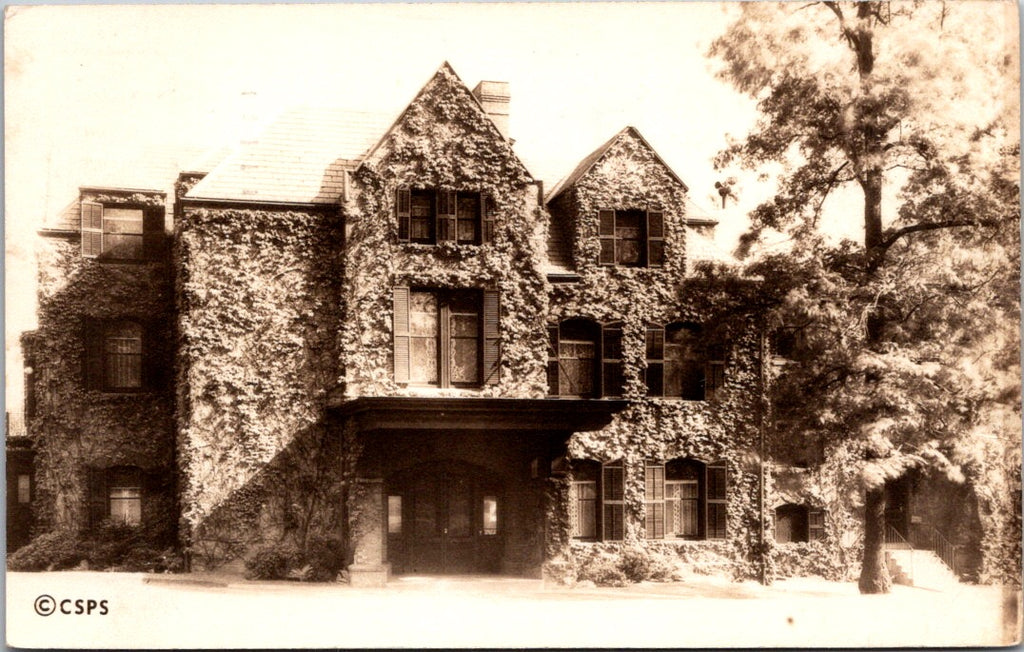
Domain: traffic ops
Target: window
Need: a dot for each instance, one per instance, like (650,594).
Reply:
(685,499)
(125,496)
(794,523)
(429,216)
(446,338)
(116,232)
(490,516)
(678,363)
(584,359)
(394,514)
(24,488)
(113,355)
(632,238)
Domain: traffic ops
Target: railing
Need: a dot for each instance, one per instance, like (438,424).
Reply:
(896,541)
(931,539)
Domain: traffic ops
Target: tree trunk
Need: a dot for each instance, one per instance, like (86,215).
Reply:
(874,576)
(872,186)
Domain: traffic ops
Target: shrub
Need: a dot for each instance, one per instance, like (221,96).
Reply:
(270,563)
(55,550)
(640,564)
(324,558)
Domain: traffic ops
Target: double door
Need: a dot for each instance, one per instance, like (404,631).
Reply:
(444,521)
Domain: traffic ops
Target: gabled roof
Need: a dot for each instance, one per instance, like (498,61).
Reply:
(702,249)
(588,162)
(300,158)
(445,68)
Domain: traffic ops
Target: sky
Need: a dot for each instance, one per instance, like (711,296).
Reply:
(100,94)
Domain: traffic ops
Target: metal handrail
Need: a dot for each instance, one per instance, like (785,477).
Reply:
(945,549)
(893,539)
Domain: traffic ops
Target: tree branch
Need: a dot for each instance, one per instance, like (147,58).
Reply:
(926,226)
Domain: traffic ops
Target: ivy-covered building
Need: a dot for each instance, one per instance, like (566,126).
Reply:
(388,339)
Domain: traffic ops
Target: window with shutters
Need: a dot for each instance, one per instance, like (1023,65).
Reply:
(585,359)
(632,238)
(681,365)
(446,338)
(430,215)
(797,523)
(114,359)
(685,499)
(115,494)
(121,233)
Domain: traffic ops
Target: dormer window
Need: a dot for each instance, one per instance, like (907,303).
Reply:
(430,216)
(632,238)
(120,232)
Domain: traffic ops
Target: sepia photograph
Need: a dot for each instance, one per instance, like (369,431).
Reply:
(513,325)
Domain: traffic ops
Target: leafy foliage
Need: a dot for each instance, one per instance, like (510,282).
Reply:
(915,97)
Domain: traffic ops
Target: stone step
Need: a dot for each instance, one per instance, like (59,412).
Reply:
(920,568)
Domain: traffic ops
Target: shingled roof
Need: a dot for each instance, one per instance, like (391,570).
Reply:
(300,158)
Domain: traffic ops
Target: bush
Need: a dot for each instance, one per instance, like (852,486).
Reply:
(641,564)
(55,550)
(271,563)
(324,558)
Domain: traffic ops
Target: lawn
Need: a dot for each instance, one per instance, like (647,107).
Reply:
(225,611)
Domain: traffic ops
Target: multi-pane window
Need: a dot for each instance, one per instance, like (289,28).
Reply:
(394,514)
(113,355)
(680,364)
(583,500)
(584,359)
(446,338)
(430,216)
(685,499)
(632,238)
(125,498)
(115,232)
(489,518)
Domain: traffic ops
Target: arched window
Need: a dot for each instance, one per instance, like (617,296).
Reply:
(680,364)
(584,359)
(685,499)
(796,523)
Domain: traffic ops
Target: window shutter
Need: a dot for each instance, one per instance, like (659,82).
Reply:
(492,337)
(487,210)
(401,334)
(655,345)
(611,360)
(553,388)
(99,508)
(92,229)
(716,502)
(445,215)
(153,236)
(92,359)
(714,379)
(612,501)
(403,212)
(156,368)
(607,233)
(655,239)
(654,500)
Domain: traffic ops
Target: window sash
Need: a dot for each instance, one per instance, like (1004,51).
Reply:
(126,505)
(24,488)
(631,237)
(440,337)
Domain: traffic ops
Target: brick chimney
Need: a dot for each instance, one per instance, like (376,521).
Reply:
(494,96)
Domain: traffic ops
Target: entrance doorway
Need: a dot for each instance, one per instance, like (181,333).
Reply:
(445,518)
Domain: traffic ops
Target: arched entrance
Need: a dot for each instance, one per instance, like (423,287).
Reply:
(445,517)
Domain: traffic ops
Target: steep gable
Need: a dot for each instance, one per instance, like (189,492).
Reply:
(444,137)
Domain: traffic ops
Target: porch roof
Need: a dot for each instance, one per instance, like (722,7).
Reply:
(504,414)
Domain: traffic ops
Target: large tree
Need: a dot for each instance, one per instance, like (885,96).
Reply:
(899,119)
